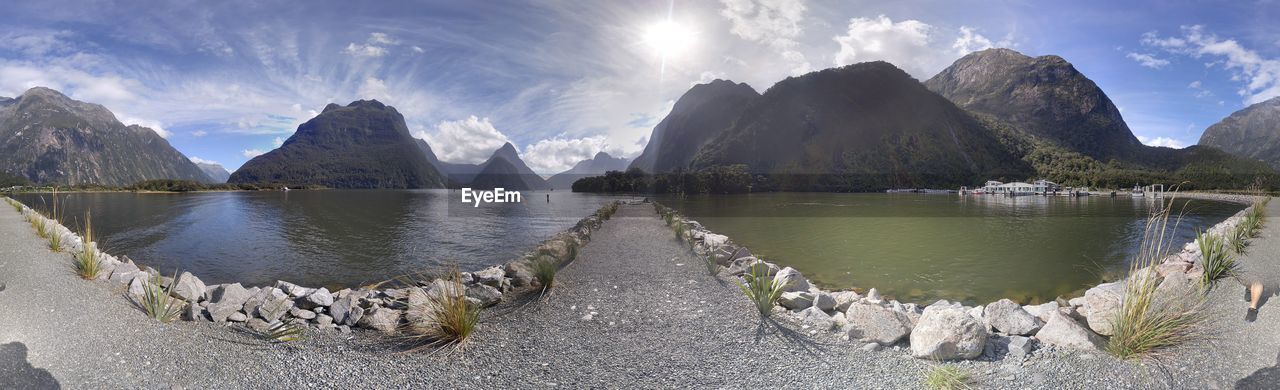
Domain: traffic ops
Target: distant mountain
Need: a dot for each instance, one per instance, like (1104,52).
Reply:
(699,115)
(456,175)
(860,127)
(505,169)
(363,145)
(1044,96)
(595,166)
(216,173)
(47,137)
(1253,133)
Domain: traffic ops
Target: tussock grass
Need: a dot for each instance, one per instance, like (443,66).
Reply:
(86,262)
(447,319)
(947,377)
(157,301)
(283,332)
(681,229)
(761,290)
(1150,322)
(42,228)
(710,262)
(1238,238)
(545,269)
(55,241)
(1217,262)
(17,206)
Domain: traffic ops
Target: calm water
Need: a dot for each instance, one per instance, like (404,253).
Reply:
(919,248)
(319,238)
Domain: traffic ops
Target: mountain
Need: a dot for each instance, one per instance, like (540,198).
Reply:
(697,117)
(47,137)
(505,169)
(595,166)
(1253,132)
(1044,96)
(365,144)
(216,173)
(860,127)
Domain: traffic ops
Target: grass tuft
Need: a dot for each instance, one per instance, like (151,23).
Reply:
(284,332)
(86,262)
(42,228)
(544,269)
(947,377)
(1150,322)
(446,319)
(158,303)
(680,230)
(761,289)
(1217,262)
(55,241)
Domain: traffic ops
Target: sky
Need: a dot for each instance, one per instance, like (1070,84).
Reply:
(224,81)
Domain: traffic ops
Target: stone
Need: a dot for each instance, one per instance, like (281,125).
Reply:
(381,319)
(824,302)
(948,333)
(816,318)
(484,294)
(491,276)
(256,300)
(752,266)
(1041,311)
(978,312)
(258,325)
(125,272)
(417,296)
(194,313)
(796,300)
(521,273)
(293,290)
(342,308)
(876,324)
(873,296)
(1175,288)
(1065,332)
(791,280)
(1076,302)
(137,286)
(1020,346)
(237,317)
(323,320)
(871,347)
(1008,317)
(844,299)
(188,287)
(275,306)
(305,314)
(1175,267)
(318,298)
(1101,303)
(227,300)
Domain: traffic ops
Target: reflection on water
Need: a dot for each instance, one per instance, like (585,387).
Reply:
(921,248)
(318,237)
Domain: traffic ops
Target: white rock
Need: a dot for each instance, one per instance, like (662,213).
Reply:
(318,298)
(1101,304)
(1065,332)
(227,300)
(947,332)
(876,323)
(824,301)
(873,296)
(1020,346)
(816,318)
(791,279)
(796,300)
(1006,316)
(188,287)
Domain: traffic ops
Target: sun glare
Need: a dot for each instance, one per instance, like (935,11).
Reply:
(668,38)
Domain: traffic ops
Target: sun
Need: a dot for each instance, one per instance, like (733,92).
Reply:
(668,38)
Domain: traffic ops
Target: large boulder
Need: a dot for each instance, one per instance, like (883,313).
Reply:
(796,300)
(1009,317)
(188,287)
(491,276)
(816,318)
(521,273)
(948,333)
(381,319)
(275,306)
(346,310)
(791,280)
(876,323)
(227,300)
(125,272)
(321,297)
(1101,304)
(256,299)
(484,294)
(752,266)
(1065,332)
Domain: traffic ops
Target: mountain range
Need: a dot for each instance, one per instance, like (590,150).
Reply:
(216,173)
(47,137)
(1253,132)
(599,164)
(993,114)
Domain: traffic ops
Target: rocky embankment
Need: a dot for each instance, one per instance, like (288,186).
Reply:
(381,308)
(948,330)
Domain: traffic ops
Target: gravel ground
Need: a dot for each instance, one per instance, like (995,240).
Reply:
(635,310)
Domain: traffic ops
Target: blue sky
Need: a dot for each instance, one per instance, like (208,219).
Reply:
(564,79)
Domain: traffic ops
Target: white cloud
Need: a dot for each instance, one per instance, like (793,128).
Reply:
(199,133)
(277,142)
(709,76)
(153,125)
(198,160)
(1259,76)
(555,155)
(970,41)
(361,50)
(251,153)
(378,38)
(1148,60)
(775,23)
(1162,141)
(373,88)
(470,140)
(417,49)
(905,44)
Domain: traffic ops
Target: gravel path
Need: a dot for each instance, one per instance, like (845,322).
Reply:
(635,310)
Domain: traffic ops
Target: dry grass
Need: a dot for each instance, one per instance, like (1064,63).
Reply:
(1148,322)
(86,262)
(446,319)
(947,377)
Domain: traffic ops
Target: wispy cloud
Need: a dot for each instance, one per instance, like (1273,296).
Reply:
(1147,60)
(1162,141)
(1258,75)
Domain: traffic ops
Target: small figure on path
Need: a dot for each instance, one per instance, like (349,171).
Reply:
(548,198)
